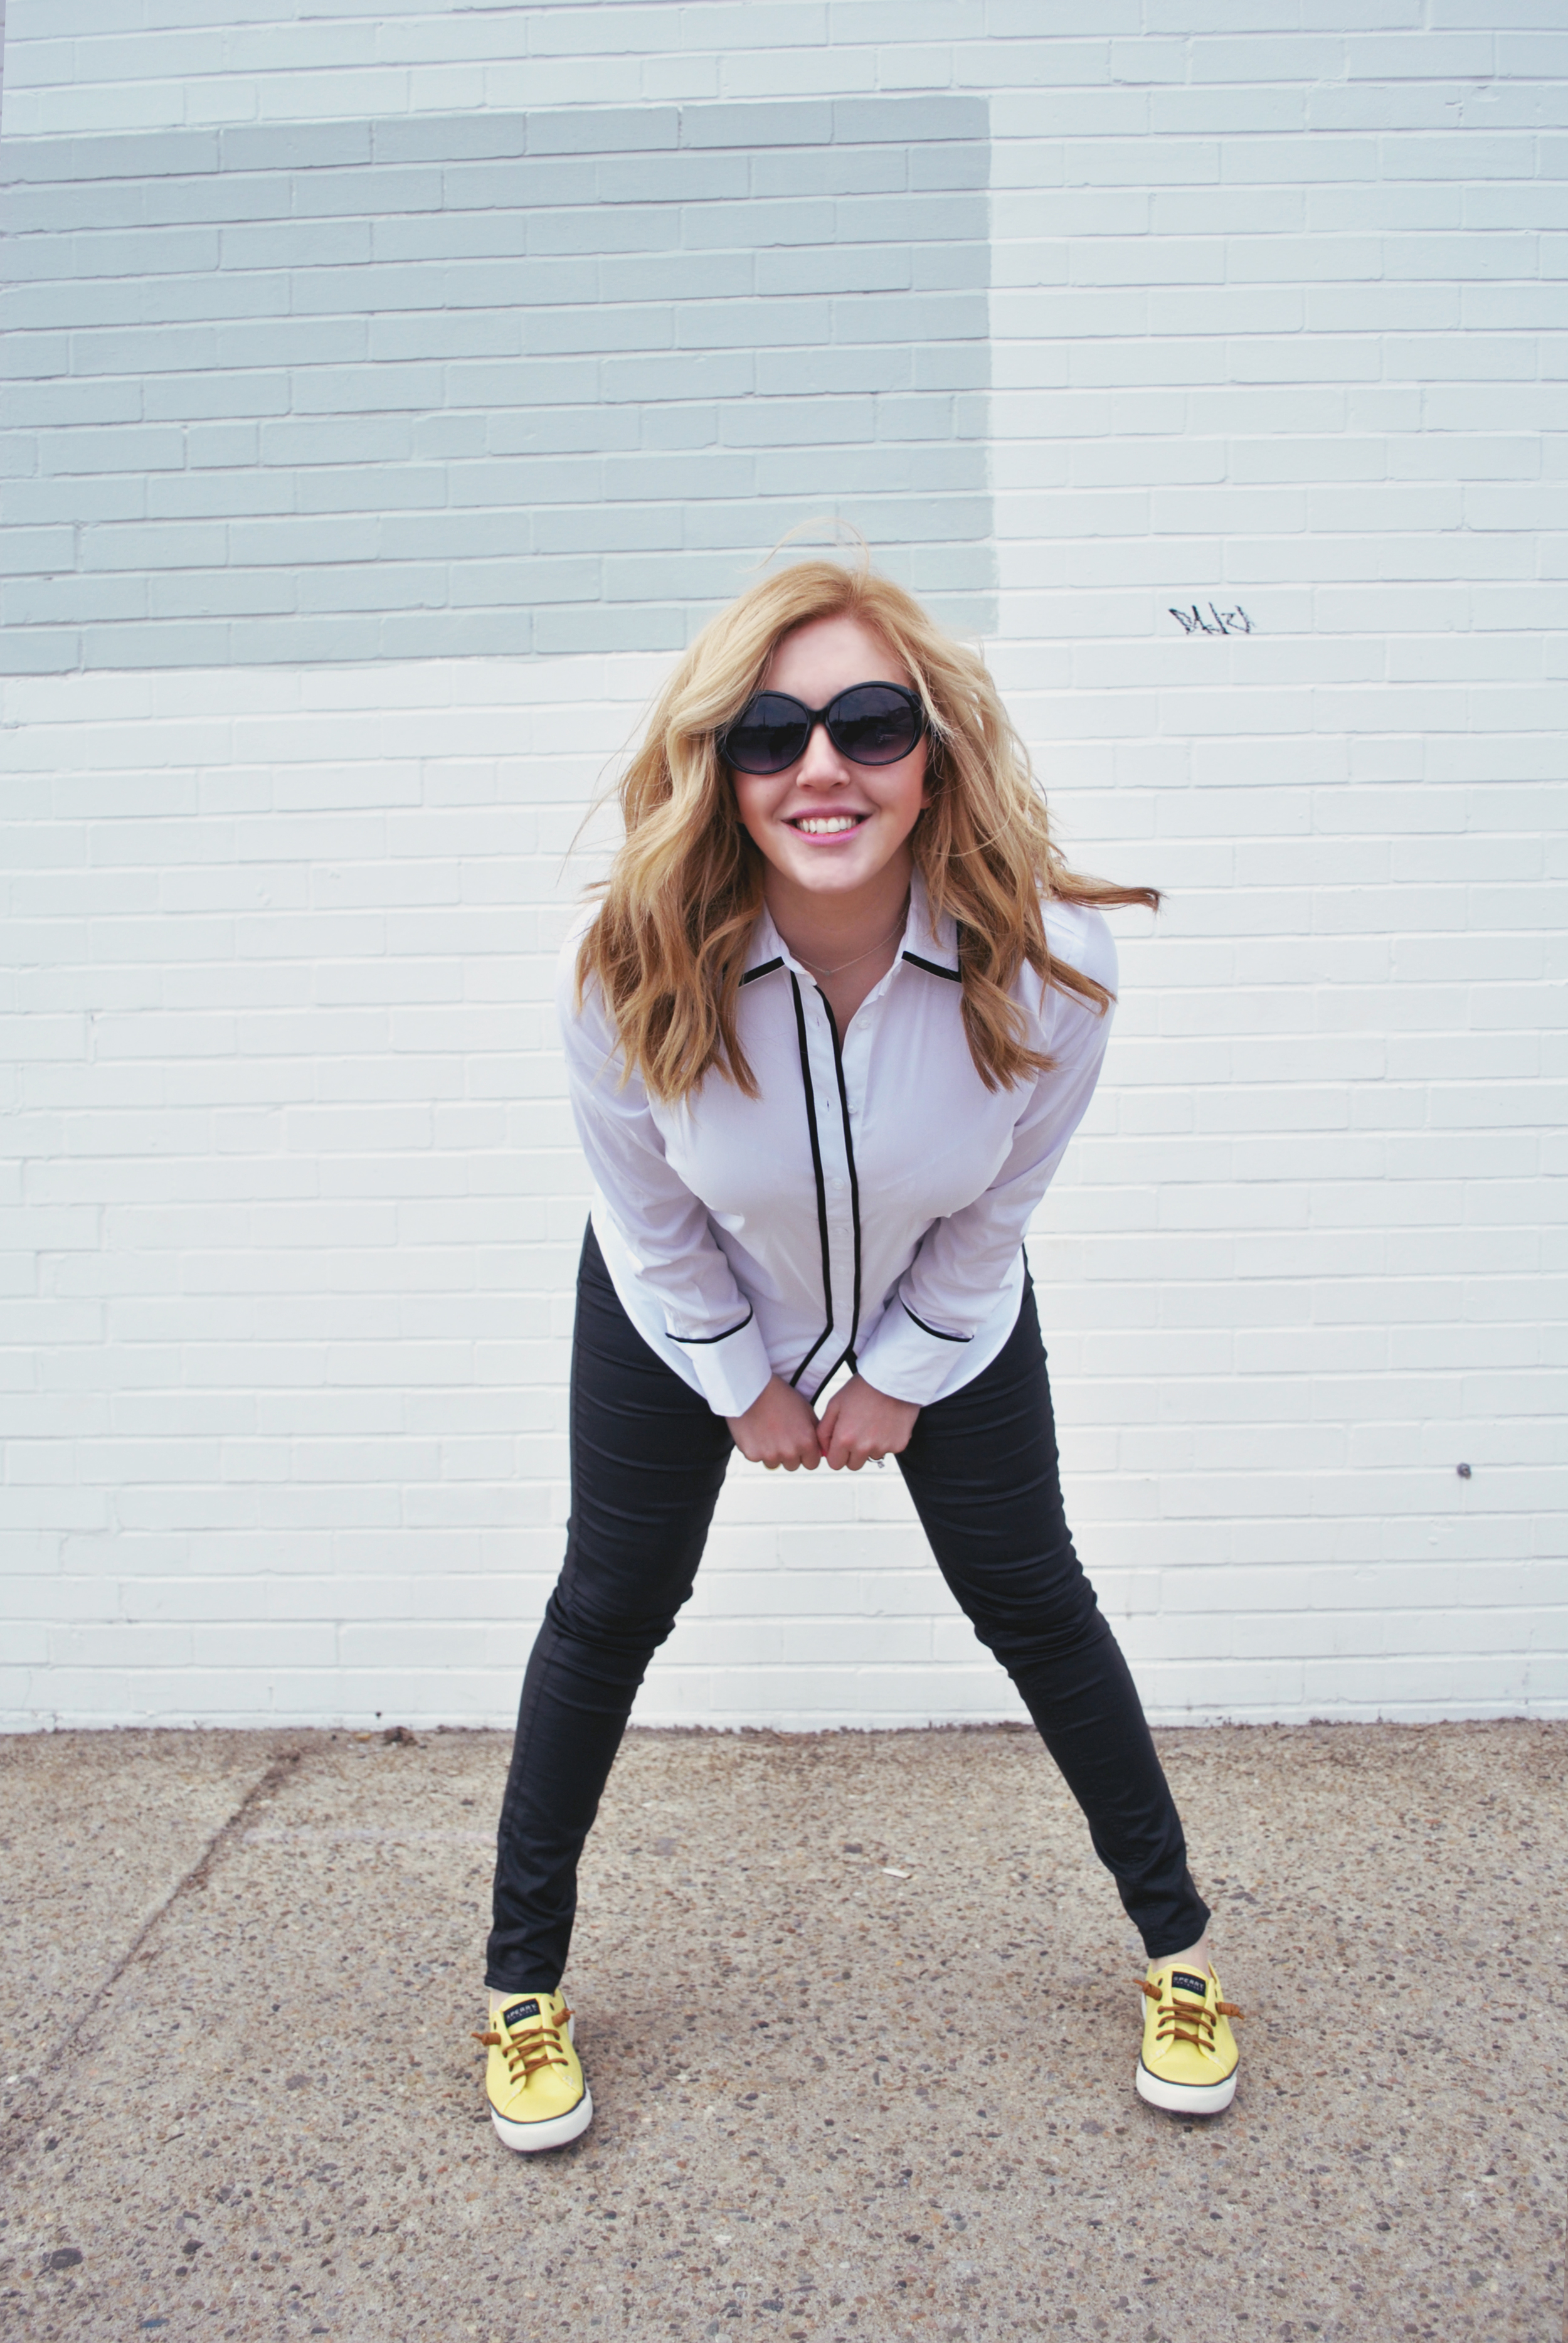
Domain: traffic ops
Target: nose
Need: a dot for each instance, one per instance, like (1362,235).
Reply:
(819,760)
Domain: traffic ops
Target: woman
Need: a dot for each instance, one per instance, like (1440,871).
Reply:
(829,1034)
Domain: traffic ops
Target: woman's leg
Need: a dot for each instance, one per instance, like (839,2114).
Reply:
(648,1462)
(981,1467)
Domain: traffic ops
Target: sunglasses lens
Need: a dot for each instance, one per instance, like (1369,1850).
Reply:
(766,736)
(873,724)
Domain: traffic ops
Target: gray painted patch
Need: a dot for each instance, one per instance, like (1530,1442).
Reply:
(486,384)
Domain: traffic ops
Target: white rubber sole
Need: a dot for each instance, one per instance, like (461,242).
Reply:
(528,2139)
(1185,2098)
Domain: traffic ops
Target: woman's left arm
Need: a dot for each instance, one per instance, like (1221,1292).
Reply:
(963,1263)
(861,1425)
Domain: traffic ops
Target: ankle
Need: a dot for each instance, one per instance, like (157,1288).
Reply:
(1200,1956)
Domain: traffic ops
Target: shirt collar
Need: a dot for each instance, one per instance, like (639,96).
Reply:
(927,944)
(767,950)
(933,942)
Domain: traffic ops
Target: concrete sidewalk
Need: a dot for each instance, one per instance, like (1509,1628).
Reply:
(859,2015)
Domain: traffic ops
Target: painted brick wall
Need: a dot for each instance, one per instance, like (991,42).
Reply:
(484,383)
(1278,331)
(1277,338)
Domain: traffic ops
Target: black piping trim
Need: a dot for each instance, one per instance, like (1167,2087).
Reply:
(935,1333)
(700,1341)
(931,966)
(821,1184)
(854,1176)
(766,968)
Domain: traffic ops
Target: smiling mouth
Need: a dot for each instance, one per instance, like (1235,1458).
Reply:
(827,825)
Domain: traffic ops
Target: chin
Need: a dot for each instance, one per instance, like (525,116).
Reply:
(835,878)
(858,861)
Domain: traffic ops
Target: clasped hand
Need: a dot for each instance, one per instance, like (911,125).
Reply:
(860,1426)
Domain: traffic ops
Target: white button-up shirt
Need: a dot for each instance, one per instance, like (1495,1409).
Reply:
(869,1205)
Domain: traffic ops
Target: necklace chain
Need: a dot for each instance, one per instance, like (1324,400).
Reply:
(880,945)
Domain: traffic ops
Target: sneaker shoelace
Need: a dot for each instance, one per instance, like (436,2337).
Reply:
(528,2048)
(1186,2020)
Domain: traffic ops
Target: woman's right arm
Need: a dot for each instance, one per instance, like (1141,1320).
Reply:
(662,1225)
(778,1429)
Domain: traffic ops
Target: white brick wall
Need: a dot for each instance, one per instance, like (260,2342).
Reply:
(87,65)
(1276,327)
(290,1206)
(293,1215)
(1125,69)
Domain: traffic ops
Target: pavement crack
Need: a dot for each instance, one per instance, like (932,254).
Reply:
(23,2119)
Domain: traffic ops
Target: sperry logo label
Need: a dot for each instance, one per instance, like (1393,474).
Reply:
(1182,1981)
(518,2011)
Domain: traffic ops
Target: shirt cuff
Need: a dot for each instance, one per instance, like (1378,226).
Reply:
(733,1369)
(908,1359)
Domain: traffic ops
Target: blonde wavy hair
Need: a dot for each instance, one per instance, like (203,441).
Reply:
(669,946)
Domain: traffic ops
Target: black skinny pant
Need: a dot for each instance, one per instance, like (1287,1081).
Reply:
(647,1460)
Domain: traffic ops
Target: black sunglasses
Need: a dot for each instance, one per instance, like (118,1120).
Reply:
(872,724)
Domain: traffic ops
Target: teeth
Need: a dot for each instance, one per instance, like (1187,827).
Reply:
(823,825)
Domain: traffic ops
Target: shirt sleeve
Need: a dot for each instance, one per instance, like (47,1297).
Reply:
(951,1285)
(663,1226)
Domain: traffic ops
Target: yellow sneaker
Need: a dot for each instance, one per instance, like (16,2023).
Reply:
(533,2078)
(1189,2055)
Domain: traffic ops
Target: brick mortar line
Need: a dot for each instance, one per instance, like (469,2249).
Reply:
(23,2119)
